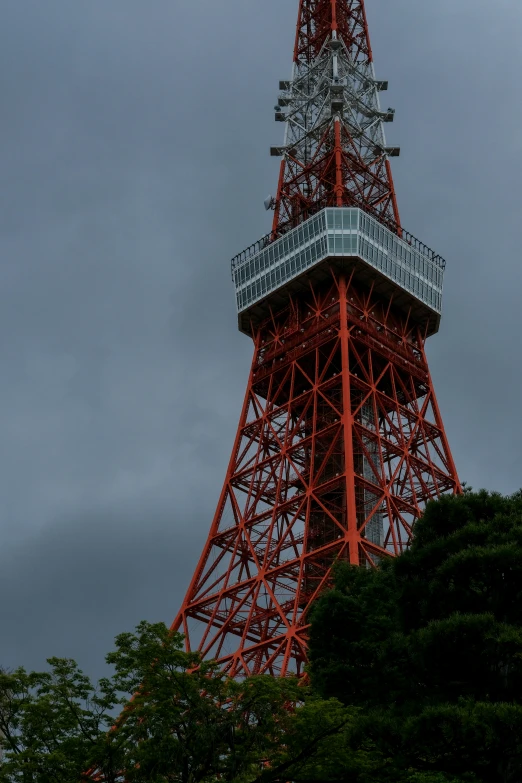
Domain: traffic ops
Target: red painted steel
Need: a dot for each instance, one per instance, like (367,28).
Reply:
(306,186)
(338,381)
(340,441)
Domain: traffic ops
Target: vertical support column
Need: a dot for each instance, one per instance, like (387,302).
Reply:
(339,181)
(366,31)
(393,197)
(179,623)
(280,184)
(352,534)
(334,14)
(298,30)
(438,420)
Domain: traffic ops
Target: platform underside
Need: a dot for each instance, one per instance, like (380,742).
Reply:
(357,270)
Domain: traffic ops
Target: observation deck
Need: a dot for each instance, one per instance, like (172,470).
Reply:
(401,268)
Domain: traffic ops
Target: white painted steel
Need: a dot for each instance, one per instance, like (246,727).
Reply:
(332,86)
(338,232)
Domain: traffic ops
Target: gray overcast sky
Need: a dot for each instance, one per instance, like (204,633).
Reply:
(134,163)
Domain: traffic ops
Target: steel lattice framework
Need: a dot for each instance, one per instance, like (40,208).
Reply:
(335,151)
(340,441)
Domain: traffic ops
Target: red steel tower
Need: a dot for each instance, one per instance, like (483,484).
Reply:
(340,441)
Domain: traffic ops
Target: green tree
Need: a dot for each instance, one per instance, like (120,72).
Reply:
(429,646)
(180,719)
(188,721)
(416,672)
(54,725)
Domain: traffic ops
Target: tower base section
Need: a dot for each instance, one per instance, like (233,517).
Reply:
(339,447)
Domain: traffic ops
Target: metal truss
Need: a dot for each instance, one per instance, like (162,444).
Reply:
(339,447)
(335,150)
(340,442)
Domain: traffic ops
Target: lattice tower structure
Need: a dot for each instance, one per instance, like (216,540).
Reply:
(340,442)
(335,151)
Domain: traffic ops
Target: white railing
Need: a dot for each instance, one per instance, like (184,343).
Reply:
(338,232)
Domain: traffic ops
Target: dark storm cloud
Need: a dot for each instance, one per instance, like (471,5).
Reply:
(134,162)
(87,573)
(453,68)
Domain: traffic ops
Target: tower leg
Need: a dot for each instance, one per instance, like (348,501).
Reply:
(340,445)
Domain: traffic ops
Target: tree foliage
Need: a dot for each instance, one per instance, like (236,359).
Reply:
(429,646)
(415,676)
(181,719)
(188,721)
(54,724)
